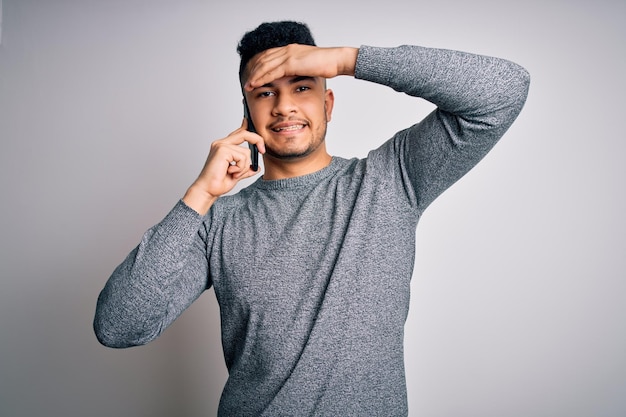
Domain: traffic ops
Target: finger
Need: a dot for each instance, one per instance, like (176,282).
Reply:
(265,75)
(237,136)
(238,160)
(235,169)
(241,171)
(269,66)
(256,139)
(251,137)
(249,173)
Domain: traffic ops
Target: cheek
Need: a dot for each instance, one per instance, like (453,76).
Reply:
(259,115)
(317,112)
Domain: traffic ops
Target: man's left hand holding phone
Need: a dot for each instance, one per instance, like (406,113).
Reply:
(227,164)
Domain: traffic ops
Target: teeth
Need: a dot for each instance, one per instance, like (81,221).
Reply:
(294,127)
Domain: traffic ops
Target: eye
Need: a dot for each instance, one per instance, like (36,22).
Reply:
(302,88)
(263,94)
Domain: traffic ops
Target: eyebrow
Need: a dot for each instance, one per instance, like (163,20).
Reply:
(300,78)
(293,80)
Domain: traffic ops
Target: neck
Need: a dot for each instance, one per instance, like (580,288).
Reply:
(278,169)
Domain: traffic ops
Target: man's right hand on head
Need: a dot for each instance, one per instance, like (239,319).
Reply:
(227,164)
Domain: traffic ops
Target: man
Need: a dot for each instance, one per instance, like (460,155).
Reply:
(311,264)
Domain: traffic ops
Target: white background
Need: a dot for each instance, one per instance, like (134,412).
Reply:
(107,109)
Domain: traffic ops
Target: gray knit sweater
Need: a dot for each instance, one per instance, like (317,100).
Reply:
(312,273)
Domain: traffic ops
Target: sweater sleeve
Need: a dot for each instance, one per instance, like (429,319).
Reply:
(156,282)
(477,99)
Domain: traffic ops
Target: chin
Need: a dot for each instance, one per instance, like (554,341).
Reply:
(288,154)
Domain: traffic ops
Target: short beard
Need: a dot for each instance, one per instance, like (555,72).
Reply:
(290,156)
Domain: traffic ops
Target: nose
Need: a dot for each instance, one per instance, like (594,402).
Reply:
(283,105)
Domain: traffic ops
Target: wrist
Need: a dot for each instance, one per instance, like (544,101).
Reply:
(198,199)
(348,60)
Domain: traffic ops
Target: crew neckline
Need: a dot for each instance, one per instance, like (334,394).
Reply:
(303,180)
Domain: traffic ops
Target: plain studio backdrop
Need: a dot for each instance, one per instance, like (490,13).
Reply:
(107,110)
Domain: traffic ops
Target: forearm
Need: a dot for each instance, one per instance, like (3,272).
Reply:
(155,283)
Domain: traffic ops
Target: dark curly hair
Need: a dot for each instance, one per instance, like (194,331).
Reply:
(271,35)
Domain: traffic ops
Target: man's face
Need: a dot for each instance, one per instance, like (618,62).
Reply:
(291,114)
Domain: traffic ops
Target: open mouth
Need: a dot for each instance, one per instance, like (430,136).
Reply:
(288,128)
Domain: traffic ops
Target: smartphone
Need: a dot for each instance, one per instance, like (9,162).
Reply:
(254,152)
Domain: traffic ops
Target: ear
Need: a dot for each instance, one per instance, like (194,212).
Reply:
(329,102)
